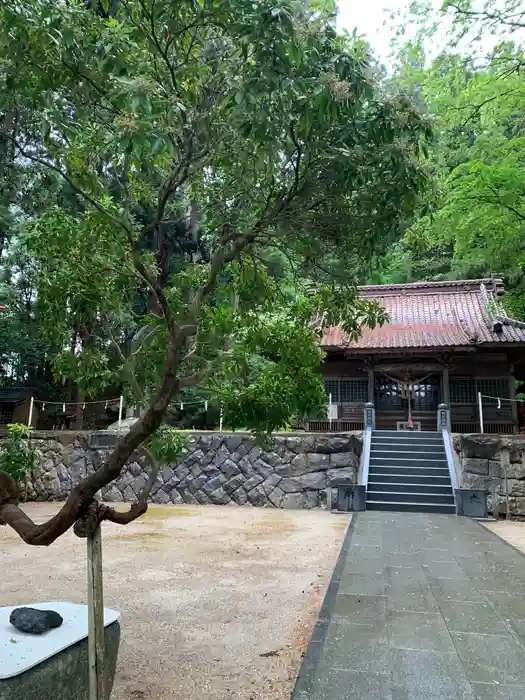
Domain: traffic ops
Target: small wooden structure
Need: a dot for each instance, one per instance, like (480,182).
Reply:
(15,405)
(445,342)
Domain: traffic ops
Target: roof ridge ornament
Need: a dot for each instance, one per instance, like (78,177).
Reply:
(495,310)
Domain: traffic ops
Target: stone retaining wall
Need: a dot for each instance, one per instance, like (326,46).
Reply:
(495,463)
(293,471)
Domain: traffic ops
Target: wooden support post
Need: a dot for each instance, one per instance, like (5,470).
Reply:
(480,411)
(96,646)
(446,387)
(31,407)
(120,410)
(371,385)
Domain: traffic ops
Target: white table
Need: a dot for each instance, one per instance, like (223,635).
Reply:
(20,651)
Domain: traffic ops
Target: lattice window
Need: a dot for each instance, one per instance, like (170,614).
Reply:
(425,395)
(388,394)
(493,387)
(332,386)
(462,390)
(6,413)
(354,390)
(347,390)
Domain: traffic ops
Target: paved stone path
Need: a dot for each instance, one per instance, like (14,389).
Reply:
(420,607)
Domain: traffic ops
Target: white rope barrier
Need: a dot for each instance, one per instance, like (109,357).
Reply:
(107,402)
(499,399)
(66,404)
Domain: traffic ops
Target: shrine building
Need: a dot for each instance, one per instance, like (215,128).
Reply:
(444,342)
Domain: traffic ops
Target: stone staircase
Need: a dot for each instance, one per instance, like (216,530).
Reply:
(408,471)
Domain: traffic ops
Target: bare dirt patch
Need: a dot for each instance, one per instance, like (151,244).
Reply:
(217,603)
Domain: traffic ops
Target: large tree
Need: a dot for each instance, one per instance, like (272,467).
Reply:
(260,129)
(477,158)
(474,93)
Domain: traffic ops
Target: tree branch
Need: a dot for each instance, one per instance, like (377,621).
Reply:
(297,162)
(136,509)
(150,280)
(81,496)
(78,190)
(139,394)
(197,377)
(497,203)
(477,108)
(497,16)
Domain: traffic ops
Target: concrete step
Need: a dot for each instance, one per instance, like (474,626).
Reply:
(408,433)
(395,460)
(414,478)
(399,453)
(410,507)
(385,435)
(408,469)
(407,446)
(412,497)
(408,436)
(409,487)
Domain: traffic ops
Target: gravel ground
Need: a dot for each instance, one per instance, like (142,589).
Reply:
(511,531)
(217,602)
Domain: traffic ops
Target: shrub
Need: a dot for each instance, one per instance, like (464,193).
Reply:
(17,456)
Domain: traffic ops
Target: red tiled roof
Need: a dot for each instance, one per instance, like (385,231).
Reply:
(433,314)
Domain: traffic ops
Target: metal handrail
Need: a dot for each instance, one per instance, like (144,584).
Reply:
(365,458)
(450,459)
(443,422)
(367,445)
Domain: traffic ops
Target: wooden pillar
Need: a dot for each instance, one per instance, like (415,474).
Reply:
(512,396)
(371,385)
(445,398)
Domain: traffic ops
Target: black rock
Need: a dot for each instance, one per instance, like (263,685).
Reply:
(35,621)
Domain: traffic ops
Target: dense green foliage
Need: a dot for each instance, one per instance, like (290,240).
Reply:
(474,93)
(17,456)
(195,181)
